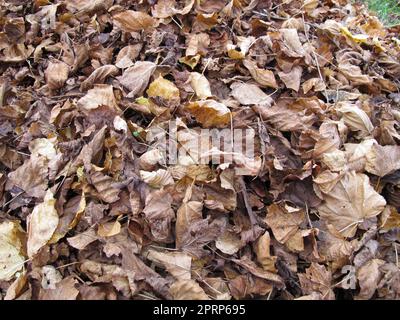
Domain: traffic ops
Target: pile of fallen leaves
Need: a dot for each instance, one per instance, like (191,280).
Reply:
(90,209)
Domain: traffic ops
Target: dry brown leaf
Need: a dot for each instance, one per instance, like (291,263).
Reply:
(65,290)
(12,256)
(68,222)
(163,88)
(177,263)
(109,229)
(100,95)
(246,285)
(285,119)
(382,160)
(189,213)
(82,240)
(56,74)
(229,243)
(369,276)
(187,290)
(108,190)
(150,159)
(326,181)
(31,176)
(134,21)
(159,214)
(317,279)
(292,45)
(354,74)
(250,94)
(98,76)
(350,202)
(197,44)
(263,77)
(390,218)
(42,223)
(157,179)
(263,252)
(200,85)
(284,224)
(137,77)
(334,247)
(168,8)
(355,118)
(328,141)
(314,83)
(16,287)
(217,289)
(210,113)
(251,267)
(90,93)
(292,78)
(127,54)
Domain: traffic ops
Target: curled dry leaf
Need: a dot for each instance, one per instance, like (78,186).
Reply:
(106,187)
(200,85)
(355,118)
(197,44)
(17,287)
(285,119)
(328,141)
(314,83)
(189,213)
(263,252)
(150,159)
